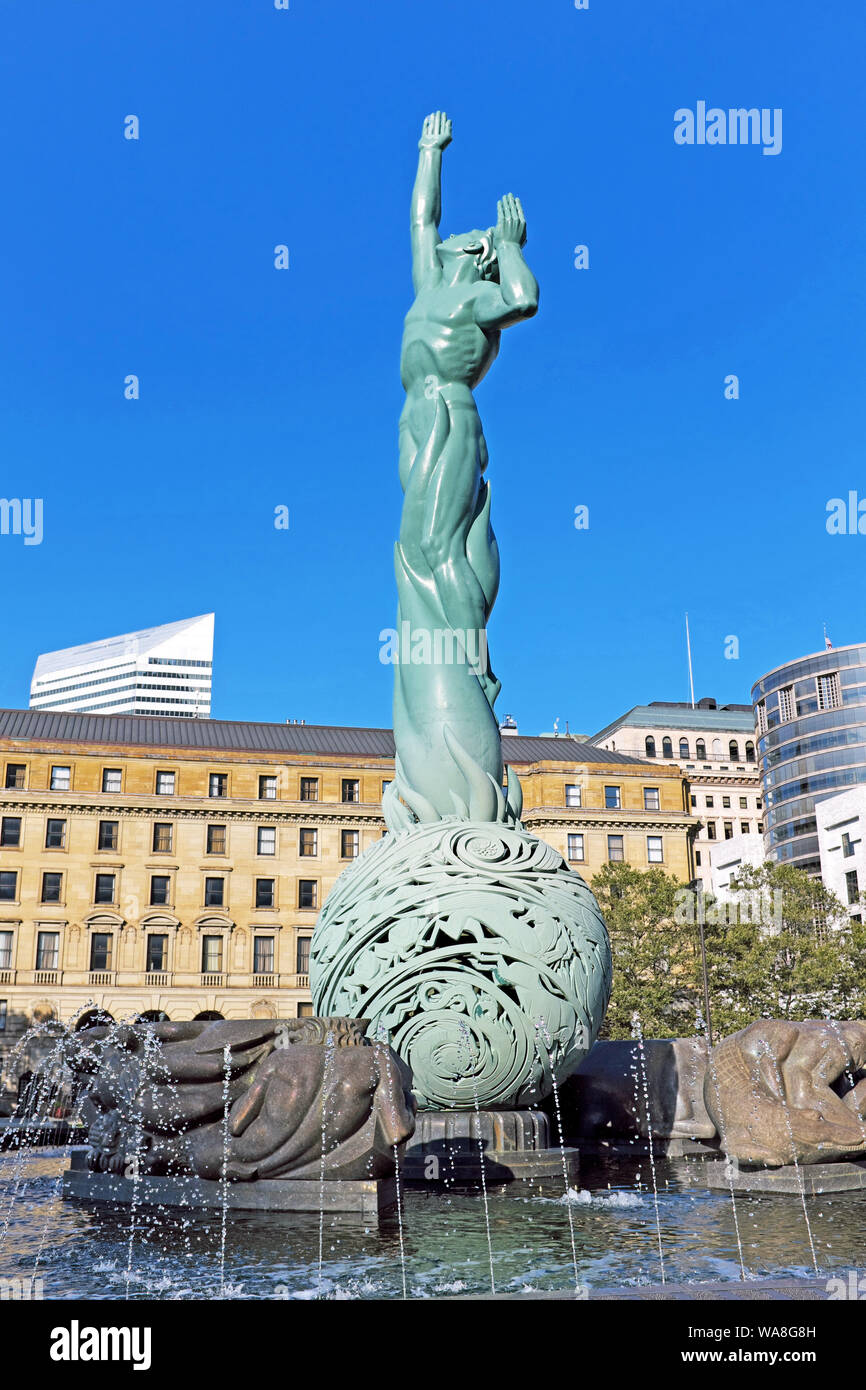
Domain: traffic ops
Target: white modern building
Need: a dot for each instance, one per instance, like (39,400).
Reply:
(728,858)
(163,671)
(841,823)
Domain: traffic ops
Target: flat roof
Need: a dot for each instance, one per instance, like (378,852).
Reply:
(733,718)
(142,730)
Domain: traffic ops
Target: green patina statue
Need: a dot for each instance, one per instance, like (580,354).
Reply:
(462,936)
(467,289)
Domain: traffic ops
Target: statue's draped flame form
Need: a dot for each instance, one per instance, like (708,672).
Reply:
(462,937)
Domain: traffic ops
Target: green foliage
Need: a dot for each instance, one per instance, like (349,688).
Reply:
(784,947)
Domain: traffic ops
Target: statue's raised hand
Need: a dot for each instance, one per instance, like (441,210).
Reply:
(510,222)
(436,133)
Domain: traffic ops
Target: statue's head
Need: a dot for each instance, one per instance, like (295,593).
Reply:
(477,247)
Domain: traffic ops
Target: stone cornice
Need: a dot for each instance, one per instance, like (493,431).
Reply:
(164,808)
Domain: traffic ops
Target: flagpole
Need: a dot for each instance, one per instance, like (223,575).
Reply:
(689,650)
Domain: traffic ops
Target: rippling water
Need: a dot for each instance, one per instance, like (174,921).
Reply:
(83,1252)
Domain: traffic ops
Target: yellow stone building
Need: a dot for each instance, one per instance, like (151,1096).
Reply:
(175,867)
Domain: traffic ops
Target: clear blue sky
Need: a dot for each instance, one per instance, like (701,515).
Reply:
(261,387)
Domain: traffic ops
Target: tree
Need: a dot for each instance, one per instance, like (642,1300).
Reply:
(653,954)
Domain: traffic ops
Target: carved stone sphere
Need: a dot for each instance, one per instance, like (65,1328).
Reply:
(478,950)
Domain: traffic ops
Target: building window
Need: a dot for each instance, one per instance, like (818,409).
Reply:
(851,886)
(786,703)
(268,788)
(55,834)
(51,886)
(8,885)
(15,773)
(693,799)
(10,832)
(349,844)
(216,839)
(47,950)
(711,829)
(309,788)
(305,1011)
(112,779)
(263,955)
(700,750)
(100,950)
(744,803)
(303,955)
(5,950)
(214,892)
(758,804)
(847,846)
(729,830)
(308,892)
(750,752)
(649,744)
(104,890)
(654,849)
(726,803)
(717,749)
(615,848)
(218,784)
(667,748)
(697,859)
(61,778)
(266,841)
(708,800)
(211,955)
(651,799)
(572,794)
(386,782)
(163,836)
(107,834)
(157,952)
(684,748)
(3,1012)
(744,827)
(612,798)
(308,844)
(351,789)
(165,784)
(159,886)
(734,751)
(828,691)
(265,892)
(760,827)
(575,848)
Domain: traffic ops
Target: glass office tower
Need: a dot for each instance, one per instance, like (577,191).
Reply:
(810,717)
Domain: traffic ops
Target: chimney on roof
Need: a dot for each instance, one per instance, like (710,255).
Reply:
(707,703)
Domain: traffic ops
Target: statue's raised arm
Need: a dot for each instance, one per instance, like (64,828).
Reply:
(427,197)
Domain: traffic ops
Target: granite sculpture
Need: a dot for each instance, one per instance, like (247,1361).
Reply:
(238,1101)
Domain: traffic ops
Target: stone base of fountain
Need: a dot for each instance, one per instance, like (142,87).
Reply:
(498,1147)
(368,1200)
(811,1179)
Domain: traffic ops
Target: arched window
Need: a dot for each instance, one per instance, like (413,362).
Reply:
(684,748)
(650,746)
(700,749)
(153,1016)
(734,751)
(94,1018)
(717,748)
(667,748)
(207,1014)
(750,752)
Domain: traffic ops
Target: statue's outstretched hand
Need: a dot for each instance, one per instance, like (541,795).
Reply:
(436,133)
(510,222)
